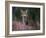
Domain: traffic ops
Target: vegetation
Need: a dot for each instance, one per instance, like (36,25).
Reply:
(33,12)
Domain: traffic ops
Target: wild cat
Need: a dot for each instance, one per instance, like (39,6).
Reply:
(26,23)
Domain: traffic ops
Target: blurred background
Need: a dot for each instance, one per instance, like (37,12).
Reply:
(24,18)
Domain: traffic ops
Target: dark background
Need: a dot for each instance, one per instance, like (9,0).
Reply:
(33,17)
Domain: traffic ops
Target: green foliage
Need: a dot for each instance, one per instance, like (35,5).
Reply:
(35,13)
(16,14)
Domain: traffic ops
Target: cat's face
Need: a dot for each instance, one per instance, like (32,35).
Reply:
(24,11)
